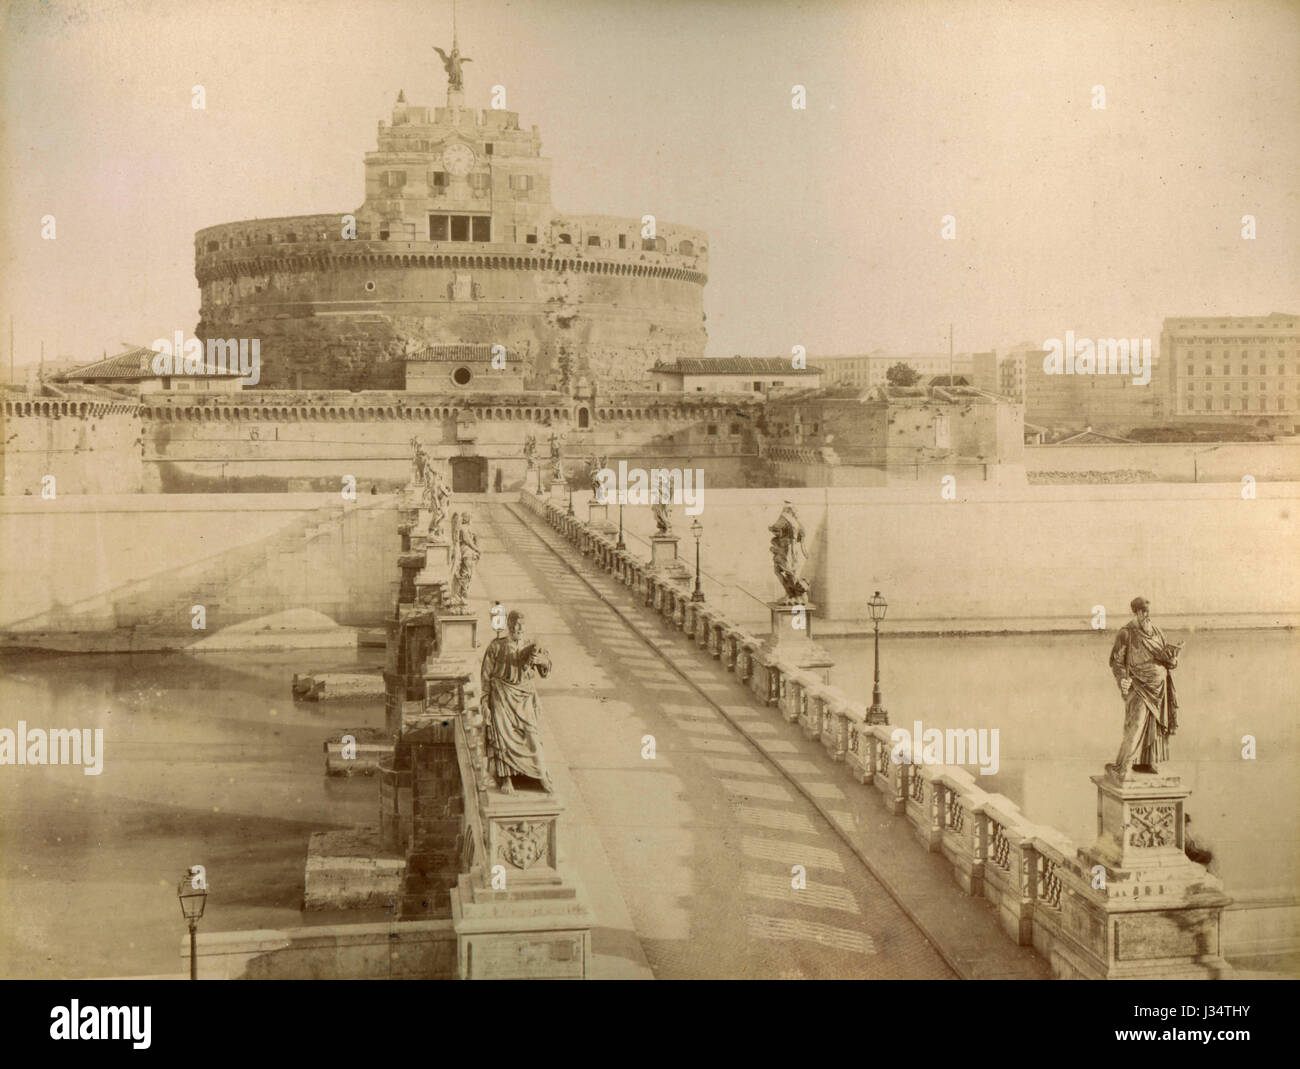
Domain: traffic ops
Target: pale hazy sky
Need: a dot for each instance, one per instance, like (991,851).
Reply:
(824,224)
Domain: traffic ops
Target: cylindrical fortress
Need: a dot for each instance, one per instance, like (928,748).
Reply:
(456,242)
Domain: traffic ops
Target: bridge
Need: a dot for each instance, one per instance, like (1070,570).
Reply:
(720,810)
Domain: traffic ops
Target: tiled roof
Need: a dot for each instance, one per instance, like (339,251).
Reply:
(131,365)
(470,352)
(735,365)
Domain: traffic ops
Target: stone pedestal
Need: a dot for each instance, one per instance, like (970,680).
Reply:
(559,489)
(597,514)
(515,915)
(457,636)
(663,551)
(791,639)
(1161,909)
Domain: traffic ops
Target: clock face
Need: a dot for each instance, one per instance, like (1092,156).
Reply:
(458,158)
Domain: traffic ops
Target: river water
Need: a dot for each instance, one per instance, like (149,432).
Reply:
(1059,717)
(208,761)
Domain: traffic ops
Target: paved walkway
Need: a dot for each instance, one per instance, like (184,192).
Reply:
(702,839)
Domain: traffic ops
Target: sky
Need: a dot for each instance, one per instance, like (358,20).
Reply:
(825,224)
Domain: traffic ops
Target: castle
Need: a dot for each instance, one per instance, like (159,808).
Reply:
(456,242)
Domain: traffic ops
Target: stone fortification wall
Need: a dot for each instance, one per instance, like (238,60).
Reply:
(284,441)
(337,313)
(89,446)
(124,571)
(1007,558)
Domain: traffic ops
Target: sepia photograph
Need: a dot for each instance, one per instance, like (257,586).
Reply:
(504,489)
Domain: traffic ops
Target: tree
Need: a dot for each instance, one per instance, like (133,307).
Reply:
(902,375)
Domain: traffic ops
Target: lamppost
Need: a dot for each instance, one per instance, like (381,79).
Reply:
(539,480)
(697,529)
(193,894)
(621,544)
(570,499)
(877,714)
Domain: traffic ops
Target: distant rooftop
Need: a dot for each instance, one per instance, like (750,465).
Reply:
(734,365)
(131,365)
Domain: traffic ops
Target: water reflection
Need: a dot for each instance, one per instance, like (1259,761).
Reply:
(207,760)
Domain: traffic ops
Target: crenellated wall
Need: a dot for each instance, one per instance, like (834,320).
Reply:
(88,446)
(277,441)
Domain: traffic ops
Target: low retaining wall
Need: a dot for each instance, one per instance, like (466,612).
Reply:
(402,950)
(1034,875)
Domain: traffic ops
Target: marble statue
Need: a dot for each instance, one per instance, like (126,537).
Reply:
(512,713)
(789,554)
(437,497)
(530,451)
(419,460)
(662,509)
(466,551)
(597,465)
(557,461)
(1142,661)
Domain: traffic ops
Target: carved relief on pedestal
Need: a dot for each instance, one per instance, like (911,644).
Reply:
(1151,825)
(523,842)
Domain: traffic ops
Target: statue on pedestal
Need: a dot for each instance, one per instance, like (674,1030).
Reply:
(596,466)
(419,460)
(557,461)
(789,554)
(530,451)
(662,509)
(465,549)
(512,713)
(437,497)
(1142,662)
(452,65)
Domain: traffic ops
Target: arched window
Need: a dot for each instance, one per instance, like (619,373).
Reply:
(584,419)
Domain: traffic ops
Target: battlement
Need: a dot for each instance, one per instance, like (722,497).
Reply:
(572,242)
(380,406)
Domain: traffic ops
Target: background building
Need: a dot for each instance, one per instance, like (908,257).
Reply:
(869,369)
(134,369)
(1234,366)
(746,374)
(841,435)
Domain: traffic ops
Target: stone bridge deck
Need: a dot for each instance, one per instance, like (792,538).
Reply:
(703,839)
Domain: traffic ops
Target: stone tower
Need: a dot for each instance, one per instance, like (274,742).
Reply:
(455,242)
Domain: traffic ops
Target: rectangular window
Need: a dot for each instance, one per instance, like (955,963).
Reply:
(480,180)
(531,239)
(438,228)
(712,430)
(521,183)
(482,228)
(460,228)
(394,179)
(622,241)
(439,180)
(593,239)
(487,148)
(735,428)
